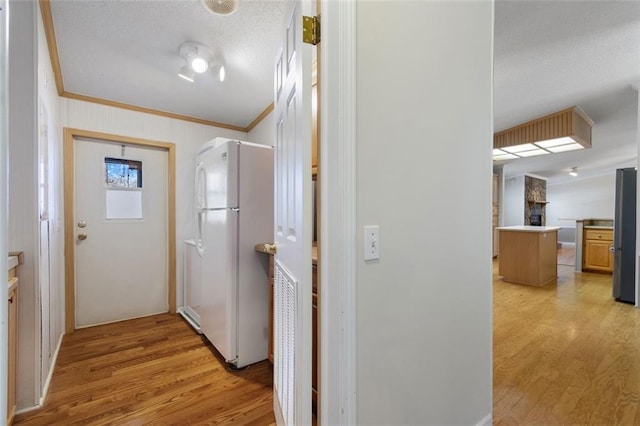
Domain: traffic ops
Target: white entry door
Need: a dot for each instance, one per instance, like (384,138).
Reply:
(293,223)
(120,229)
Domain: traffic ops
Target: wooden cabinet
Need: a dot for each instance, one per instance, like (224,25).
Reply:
(12,355)
(597,256)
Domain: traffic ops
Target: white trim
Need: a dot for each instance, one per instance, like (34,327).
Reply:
(486,421)
(4,207)
(54,360)
(338,214)
(637,304)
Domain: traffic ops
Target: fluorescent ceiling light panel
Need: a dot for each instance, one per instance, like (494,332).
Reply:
(533,153)
(555,142)
(519,148)
(504,157)
(564,148)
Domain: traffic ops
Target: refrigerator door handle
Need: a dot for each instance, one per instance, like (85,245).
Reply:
(201,186)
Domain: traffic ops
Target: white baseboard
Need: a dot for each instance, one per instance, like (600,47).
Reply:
(45,389)
(486,421)
(54,360)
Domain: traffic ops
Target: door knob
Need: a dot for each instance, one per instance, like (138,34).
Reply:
(82,236)
(82,224)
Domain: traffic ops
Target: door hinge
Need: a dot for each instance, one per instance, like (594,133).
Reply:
(311,29)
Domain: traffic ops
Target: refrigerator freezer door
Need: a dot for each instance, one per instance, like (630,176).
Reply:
(220,170)
(624,236)
(219,289)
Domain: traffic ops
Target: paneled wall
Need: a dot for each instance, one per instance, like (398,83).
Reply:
(187,136)
(23,198)
(51,276)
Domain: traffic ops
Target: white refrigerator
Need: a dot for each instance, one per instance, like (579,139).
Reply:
(234,204)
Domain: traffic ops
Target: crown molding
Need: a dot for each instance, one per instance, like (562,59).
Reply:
(107,102)
(47,22)
(260,117)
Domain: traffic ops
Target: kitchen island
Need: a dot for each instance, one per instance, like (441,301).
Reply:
(529,254)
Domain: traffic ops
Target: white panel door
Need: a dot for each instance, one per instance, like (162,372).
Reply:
(121,266)
(293,226)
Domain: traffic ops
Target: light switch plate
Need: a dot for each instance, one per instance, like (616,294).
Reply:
(371,242)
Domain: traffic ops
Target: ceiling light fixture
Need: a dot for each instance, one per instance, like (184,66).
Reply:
(199,59)
(574,171)
(566,130)
(221,7)
(199,64)
(186,73)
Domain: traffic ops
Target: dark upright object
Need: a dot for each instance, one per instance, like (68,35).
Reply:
(624,237)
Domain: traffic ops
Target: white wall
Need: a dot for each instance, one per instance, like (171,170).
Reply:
(513,201)
(52,327)
(264,132)
(424,140)
(187,136)
(4,195)
(23,207)
(581,198)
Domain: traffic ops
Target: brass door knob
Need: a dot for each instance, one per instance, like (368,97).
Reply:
(82,236)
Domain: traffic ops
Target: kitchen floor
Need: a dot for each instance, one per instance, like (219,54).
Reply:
(152,370)
(567,254)
(565,353)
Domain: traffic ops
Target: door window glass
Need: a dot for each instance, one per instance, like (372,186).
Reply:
(123,182)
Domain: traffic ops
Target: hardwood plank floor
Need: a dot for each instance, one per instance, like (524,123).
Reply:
(565,353)
(567,254)
(153,370)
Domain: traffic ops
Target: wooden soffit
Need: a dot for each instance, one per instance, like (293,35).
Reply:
(571,122)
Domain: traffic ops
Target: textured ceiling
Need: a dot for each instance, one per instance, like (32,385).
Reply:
(127,51)
(549,55)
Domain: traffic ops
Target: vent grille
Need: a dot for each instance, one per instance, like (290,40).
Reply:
(285,341)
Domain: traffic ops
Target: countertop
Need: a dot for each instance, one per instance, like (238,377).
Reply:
(520,228)
(598,227)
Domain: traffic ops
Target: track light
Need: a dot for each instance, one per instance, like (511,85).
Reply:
(574,171)
(199,59)
(199,64)
(186,73)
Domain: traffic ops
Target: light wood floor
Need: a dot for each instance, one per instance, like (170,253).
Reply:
(567,255)
(565,353)
(153,370)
